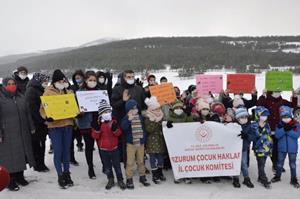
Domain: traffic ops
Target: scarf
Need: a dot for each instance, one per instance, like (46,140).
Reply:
(137,130)
(155,116)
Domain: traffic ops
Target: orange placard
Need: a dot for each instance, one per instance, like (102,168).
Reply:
(164,93)
(237,83)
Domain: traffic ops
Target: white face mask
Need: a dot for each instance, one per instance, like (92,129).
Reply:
(106,117)
(178,111)
(287,120)
(243,120)
(134,111)
(276,94)
(101,80)
(204,112)
(59,86)
(263,118)
(66,85)
(130,81)
(44,85)
(91,84)
(22,76)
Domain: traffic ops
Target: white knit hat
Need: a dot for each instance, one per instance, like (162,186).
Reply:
(237,102)
(201,104)
(152,103)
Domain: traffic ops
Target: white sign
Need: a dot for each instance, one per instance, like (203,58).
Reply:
(88,101)
(204,150)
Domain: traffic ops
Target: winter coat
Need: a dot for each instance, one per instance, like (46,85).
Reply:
(288,140)
(136,92)
(16,127)
(179,119)
(107,140)
(107,85)
(273,105)
(250,132)
(228,101)
(33,93)
(51,91)
(21,83)
(262,141)
(155,140)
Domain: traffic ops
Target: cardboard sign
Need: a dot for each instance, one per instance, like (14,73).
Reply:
(89,101)
(164,93)
(279,81)
(204,150)
(209,83)
(237,83)
(60,106)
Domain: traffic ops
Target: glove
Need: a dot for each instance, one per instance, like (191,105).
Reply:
(49,119)
(114,126)
(169,124)
(243,135)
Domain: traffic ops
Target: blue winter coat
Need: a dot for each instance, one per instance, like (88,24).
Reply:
(288,140)
(250,132)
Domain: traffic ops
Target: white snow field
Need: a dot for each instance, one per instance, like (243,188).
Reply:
(44,185)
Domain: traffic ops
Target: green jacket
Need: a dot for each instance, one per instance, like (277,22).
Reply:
(180,119)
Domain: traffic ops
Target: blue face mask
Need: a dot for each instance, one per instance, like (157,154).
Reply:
(78,81)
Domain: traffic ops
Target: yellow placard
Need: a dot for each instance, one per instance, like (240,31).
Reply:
(164,93)
(60,106)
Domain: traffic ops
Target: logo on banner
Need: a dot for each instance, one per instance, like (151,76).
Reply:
(203,134)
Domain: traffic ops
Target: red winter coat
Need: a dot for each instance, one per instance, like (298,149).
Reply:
(273,104)
(106,139)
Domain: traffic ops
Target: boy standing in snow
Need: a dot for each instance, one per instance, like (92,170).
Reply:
(287,133)
(107,141)
(133,127)
(155,145)
(242,117)
(262,143)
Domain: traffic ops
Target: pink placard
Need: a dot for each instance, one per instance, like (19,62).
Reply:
(206,83)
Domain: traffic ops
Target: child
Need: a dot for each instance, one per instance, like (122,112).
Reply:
(155,145)
(242,118)
(107,140)
(177,115)
(287,133)
(262,143)
(132,125)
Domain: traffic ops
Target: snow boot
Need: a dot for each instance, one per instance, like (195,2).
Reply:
(13,186)
(265,183)
(91,173)
(110,184)
(161,175)
(248,182)
(20,179)
(155,176)
(68,179)
(275,179)
(121,184)
(294,182)
(62,182)
(129,184)
(236,183)
(143,180)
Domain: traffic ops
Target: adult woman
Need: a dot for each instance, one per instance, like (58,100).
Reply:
(16,127)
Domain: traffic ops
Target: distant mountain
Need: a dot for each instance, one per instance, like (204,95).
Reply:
(196,53)
(98,42)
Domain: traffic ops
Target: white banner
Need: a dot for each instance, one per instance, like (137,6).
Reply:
(88,101)
(204,150)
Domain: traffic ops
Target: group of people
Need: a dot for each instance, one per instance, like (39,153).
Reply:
(129,128)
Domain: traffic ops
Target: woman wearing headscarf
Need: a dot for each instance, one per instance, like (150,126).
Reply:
(34,91)
(16,128)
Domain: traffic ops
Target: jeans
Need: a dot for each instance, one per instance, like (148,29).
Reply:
(61,139)
(156,160)
(261,163)
(111,159)
(244,166)
(292,162)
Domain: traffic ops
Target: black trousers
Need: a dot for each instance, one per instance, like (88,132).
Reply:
(38,140)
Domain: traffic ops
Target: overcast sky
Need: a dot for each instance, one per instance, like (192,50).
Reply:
(32,25)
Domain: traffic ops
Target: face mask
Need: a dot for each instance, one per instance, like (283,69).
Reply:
(276,94)
(178,111)
(78,81)
(263,118)
(91,84)
(287,120)
(59,86)
(66,85)
(44,85)
(101,80)
(22,76)
(204,112)
(243,120)
(151,82)
(130,81)
(11,88)
(134,111)
(106,116)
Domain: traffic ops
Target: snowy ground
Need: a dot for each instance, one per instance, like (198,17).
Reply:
(44,185)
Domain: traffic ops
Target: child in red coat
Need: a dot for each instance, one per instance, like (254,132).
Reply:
(107,140)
